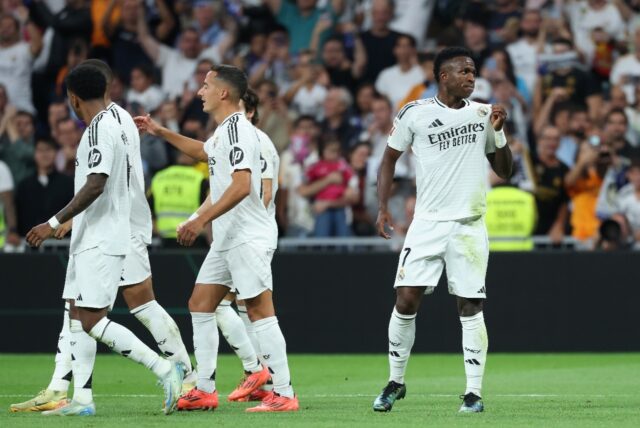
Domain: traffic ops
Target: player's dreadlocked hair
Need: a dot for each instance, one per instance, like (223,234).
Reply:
(447,54)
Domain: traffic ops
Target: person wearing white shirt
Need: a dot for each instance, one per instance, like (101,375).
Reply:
(626,70)
(143,91)
(396,81)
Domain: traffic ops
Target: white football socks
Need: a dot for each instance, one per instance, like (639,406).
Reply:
(164,330)
(233,330)
(475,343)
(402,334)
(62,373)
(83,356)
(274,352)
(205,345)
(124,342)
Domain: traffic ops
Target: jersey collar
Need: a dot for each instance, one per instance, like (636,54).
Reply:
(443,105)
(229,117)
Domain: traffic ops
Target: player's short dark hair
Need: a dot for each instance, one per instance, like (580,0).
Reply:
(251,101)
(86,82)
(102,66)
(448,54)
(233,76)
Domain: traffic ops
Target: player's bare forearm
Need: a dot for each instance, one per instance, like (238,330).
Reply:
(385,176)
(84,198)
(502,162)
(267,195)
(238,190)
(186,145)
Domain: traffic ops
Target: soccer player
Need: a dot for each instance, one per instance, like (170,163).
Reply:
(236,327)
(101,239)
(245,236)
(450,137)
(135,284)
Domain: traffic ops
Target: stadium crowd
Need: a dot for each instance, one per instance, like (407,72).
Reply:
(331,75)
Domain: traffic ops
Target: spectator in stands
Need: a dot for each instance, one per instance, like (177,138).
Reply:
(337,121)
(475,34)
(257,46)
(329,182)
(428,87)
(67,134)
(57,111)
(78,52)
(274,63)
(580,86)
(363,223)
(143,90)
(524,51)
(16,58)
(412,17)
(301,18)
(626,69)
(396,81)
(363,117)
(176,192)
(16,145)
(579,126)
(610,236)
(306,95)
(177,65)
(583,182)
(122,32)
(8,230)
(294,215)
(379,41)
(273,113)
(190,103)
(43,194)
(207,16)
(627,204)
(550,194)
(341,70)
(504,22)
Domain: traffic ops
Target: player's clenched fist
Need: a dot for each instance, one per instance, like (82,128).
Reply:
(39,234)
(498,116)
(384,218)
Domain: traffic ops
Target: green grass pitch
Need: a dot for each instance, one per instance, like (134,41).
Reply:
(520,390)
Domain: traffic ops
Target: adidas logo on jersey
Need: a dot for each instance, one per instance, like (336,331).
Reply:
(436,123)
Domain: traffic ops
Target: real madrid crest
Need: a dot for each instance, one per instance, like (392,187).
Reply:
(483,111)
(401,274)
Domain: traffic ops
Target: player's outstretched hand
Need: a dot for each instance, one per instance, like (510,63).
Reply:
(39,234)
(384,218)
(63,229)
(189,231)
(498,116)
(146,124)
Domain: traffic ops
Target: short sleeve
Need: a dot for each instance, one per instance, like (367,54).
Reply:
(266,160)
(244,144)
(401,136)
(102,146)
(6,180)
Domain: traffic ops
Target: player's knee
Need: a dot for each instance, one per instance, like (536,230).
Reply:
(198,305)
(407,303)
(469,307)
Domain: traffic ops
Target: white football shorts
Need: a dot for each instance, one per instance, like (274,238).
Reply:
(460,245)
(245,269)
(136,264)
(92,279)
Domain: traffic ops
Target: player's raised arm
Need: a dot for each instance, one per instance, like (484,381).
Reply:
(186,145)
(501,160)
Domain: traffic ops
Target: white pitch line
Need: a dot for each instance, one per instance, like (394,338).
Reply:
(369,395)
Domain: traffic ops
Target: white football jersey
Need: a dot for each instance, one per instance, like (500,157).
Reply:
(141,222)
(234,146)
(105,223)
(270,162)
(450,147)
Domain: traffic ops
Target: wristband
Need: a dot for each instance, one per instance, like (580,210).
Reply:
(54,223)
(194,216)
(501,139)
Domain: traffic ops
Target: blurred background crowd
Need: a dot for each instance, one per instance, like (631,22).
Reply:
(330,75)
